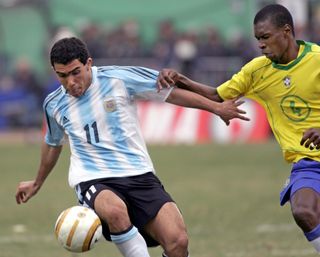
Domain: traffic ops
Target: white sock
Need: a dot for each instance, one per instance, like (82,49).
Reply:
(316,244)
(131,243)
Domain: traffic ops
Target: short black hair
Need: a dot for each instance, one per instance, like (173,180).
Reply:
(68,49)
(278,15)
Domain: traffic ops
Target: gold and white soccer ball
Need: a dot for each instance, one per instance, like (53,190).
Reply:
(78,229)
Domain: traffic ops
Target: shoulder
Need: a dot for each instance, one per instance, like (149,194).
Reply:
(126,72)
(314,48)
(258,63)
(53,98)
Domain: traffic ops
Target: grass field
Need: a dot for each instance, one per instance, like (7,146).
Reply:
(229,196)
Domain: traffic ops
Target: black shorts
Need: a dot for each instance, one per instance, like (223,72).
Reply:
(144,195)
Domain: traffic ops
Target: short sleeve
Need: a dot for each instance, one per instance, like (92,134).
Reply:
(237,86)
(54,132)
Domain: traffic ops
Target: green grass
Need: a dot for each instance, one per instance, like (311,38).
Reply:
(228,194)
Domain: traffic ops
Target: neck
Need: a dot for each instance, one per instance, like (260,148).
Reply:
(292,53)
(89,82)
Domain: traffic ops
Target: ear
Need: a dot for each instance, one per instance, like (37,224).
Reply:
(287,29)
(89,62)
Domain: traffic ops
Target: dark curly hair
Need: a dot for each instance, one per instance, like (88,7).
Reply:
(68,49)
(278,15)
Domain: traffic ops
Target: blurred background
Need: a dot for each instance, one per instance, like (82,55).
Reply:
(208,40)
(226,180)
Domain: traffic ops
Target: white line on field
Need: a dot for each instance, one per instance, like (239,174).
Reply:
(26,238)
(278,252)
(49,238)
(272,228)
(292,252)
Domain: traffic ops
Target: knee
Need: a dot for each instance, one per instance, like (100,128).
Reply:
(116,213)
(182,241)
(178,245)
(113,211)
(305,217)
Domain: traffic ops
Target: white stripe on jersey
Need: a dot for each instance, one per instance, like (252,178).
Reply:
(102,125)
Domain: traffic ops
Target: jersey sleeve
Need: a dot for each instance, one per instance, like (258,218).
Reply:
(54,132)
(238,85)
(141,82)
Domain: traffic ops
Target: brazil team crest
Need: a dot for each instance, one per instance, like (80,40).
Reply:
(110,105)
(287,81)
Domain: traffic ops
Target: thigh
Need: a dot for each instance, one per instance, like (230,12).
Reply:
(113,210)
(306,198)
(167,225)
(109,204)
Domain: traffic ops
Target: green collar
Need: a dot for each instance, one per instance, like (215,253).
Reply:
(307,48)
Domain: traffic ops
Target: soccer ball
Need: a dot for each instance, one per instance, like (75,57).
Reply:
(78,228)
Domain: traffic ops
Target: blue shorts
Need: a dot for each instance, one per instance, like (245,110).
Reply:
(304,174)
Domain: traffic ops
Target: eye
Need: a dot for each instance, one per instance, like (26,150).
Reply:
(75,72)
(62,75)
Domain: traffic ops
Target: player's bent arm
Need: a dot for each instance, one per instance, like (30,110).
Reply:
(199,88)
(227,110)
(49,157)
(169,77)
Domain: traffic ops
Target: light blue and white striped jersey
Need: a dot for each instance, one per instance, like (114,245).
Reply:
(102,125)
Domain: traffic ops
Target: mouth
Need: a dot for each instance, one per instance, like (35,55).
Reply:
(268,55)
(75,91)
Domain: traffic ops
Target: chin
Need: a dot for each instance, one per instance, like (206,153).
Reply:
(275,60)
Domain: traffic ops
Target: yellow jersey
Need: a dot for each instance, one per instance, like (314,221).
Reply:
(290,95)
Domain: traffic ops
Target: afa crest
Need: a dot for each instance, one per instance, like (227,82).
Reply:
(110,105)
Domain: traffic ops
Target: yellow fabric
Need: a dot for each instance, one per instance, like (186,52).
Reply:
(290,95)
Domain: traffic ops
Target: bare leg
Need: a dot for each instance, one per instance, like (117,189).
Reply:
(114,212)
(169,230)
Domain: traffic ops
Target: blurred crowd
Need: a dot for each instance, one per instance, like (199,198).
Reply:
(196,54)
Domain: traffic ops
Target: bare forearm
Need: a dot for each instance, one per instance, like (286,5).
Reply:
(190,99)
(27,189)
(226,110)
(199,88)
(49,157)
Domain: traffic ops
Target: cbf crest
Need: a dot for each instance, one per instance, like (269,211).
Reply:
(110,105)
(287,81)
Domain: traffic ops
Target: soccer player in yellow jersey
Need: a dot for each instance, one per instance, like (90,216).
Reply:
(286,82)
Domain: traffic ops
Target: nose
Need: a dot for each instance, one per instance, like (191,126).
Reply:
(261,45)
(70,81)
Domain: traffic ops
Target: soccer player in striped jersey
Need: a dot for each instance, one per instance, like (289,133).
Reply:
(110,168)
(286,82)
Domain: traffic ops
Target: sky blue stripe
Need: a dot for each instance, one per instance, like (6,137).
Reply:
(118,239)
(84,156)
(117,133)
(103,153)
(137,79)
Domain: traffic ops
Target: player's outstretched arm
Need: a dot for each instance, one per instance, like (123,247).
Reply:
(170,77)
(49,157)
(311,138)
(226,110)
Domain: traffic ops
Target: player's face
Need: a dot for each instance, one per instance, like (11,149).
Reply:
(273,41)
(74,76)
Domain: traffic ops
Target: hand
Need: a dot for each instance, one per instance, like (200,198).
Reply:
(25,191)
(229,110)
(311,138)
(167,78)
